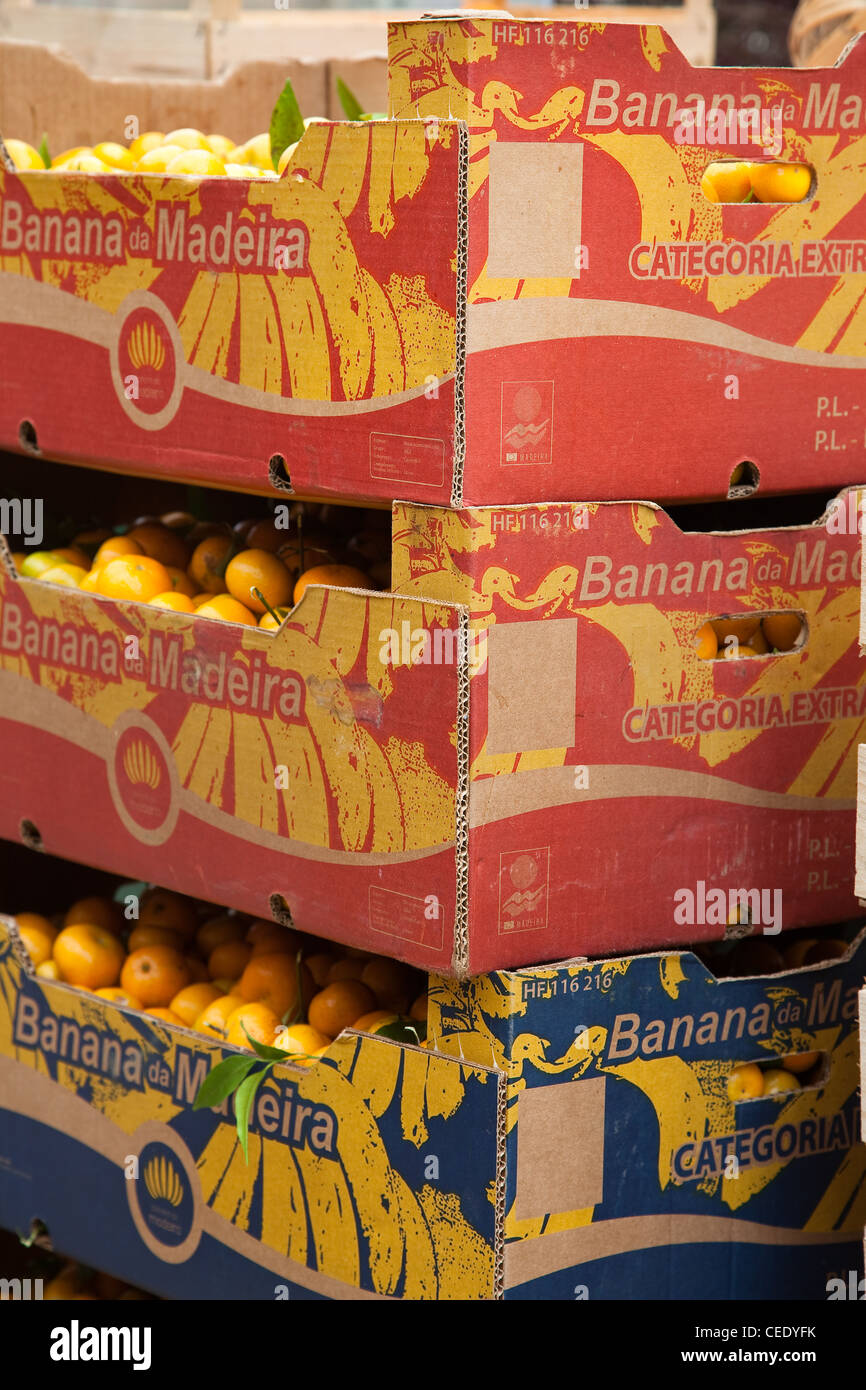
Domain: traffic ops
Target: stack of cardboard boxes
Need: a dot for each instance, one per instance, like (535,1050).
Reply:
(502,311)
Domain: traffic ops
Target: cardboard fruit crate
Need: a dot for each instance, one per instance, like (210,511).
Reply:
(513,290)
(567,1133)
(486,767)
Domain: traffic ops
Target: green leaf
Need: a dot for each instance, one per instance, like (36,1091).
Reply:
(221,1080)
(349,102)
(287,123)
(44,153)
(268,1054)
(246,1094)
(403,1032)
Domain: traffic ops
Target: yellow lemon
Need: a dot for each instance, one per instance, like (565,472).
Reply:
(256,151)
(115,155)
(144,143)
(23,156)
(85,163)
(219,144)
(156,160)
(201,163)
(187,137)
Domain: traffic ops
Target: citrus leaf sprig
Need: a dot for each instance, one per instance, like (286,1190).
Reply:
(352,106)
(235,1075)
(287,123)
(44,153)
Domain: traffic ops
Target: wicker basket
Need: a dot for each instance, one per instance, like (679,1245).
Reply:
(820,30)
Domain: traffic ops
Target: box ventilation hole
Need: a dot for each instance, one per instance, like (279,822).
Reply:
(744,480)
(744,636)
(280,911)
(27,437)
(30,835)
(278,474)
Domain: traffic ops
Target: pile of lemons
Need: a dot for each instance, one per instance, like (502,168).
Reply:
(182,151)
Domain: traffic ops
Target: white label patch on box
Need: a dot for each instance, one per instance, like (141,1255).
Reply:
(535,210)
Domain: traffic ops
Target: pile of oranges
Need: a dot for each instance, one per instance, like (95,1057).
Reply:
(224,974)
(252,573)
(751,1081)
(182,151)
(740,181)
(735,638)
(758,955)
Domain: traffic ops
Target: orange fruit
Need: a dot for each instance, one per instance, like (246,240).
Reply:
(207,566)
(154,974)
(274,980)
(88,956)
(119,996)
(338,1005)
(267,938)
(178,603)
(73,555)
(227,610)
(229,959)
(294,561)
(392,984)
(777,1080)
(257,1019)
(727,181)
(265,535)
(199,599)
(346,968)
(373,1021)
(705,642)
(258,569)
(190,1002)
(96,912)
(148,140)
(198,972)
(216,930)
(226,986)
(153,936)
(69,576)
(336,576)
(418,1011)
(801,1061)
(743,629)
(90,582)
(48,970)
(795,953)
(167,1015)
(781,183)
(745,1082)
(825,950)
(160,907)
(38,935)
(135,578)
(300,1038)
(318,965)
(213,1019)
(271,623)
(782,630)
(114,548)
(91,539)
(180,582)
(161,544)
(739,651)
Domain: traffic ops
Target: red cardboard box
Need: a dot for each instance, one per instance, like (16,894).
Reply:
(513,290)
(487,767)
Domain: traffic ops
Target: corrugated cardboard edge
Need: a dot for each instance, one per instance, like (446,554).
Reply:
(501,1174)
(460,316)
(860,838)
(862,997)
(862,595)
(461,804)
